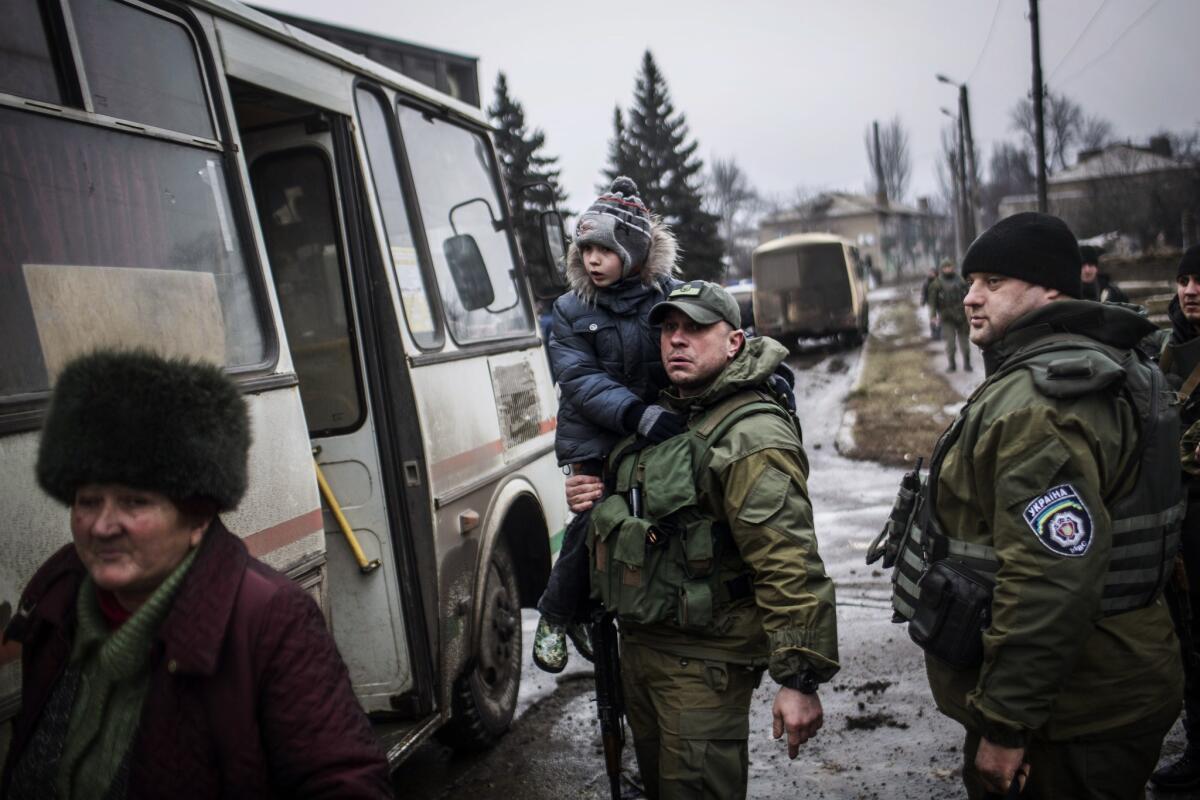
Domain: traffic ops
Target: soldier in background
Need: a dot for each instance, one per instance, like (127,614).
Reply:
(945,297)
(1097,285)
(1180,360)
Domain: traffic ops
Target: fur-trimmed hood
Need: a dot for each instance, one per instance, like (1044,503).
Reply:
(661,263)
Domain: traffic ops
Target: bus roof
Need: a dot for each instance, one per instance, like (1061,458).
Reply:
(335,54)
(799,239)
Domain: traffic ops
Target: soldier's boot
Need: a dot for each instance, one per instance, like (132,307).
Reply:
(550,646)
(1180,775)
(952,368)
(967,367)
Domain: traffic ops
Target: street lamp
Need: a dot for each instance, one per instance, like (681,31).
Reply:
(968,146)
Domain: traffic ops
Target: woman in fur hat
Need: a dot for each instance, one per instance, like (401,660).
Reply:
(605,358)
(158,658)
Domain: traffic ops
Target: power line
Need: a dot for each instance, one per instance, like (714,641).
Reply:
(987,41)
(1112,46)
(1078,39)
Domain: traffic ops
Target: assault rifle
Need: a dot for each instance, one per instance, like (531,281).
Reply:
(887,544)
(610,704)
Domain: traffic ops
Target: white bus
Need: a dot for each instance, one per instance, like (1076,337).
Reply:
(197,177)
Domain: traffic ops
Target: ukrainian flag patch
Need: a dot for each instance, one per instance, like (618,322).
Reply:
(1061,521)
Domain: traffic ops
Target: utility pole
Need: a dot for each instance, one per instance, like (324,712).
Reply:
(970,187)
(960,245)
(961,197)
(964,112)
(961,207)
(1039,121)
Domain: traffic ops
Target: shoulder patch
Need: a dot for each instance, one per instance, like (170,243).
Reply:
(1061,521)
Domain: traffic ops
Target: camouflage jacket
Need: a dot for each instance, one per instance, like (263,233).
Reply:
(756,482)
(1052,663)
(945,298)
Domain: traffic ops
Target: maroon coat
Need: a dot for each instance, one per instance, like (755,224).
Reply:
(248,695)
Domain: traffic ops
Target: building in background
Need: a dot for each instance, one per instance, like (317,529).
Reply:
(1142,196)
(455,74)
(897,239)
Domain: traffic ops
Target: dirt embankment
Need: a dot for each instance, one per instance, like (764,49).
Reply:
(900,405)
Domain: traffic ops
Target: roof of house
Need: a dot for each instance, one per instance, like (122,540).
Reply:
(1115,160)
(828,205)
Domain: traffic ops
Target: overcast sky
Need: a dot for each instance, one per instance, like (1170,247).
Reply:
(788,88)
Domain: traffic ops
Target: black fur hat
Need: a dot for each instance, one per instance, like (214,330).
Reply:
(1037,248)
(166,425)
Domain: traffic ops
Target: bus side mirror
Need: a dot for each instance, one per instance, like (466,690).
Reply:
(468,272)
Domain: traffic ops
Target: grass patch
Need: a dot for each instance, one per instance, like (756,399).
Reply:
(899,404)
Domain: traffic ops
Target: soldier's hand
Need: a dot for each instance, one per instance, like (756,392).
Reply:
(799,714)
(583,491)
(999,766)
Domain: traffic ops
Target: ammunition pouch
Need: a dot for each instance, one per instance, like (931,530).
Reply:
(649,573)
(668,561)
(953,610)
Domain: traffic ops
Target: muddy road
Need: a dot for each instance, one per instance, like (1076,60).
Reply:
(882,736)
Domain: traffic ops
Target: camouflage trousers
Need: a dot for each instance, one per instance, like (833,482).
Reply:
(952,331)
(1114,768)
(690,722)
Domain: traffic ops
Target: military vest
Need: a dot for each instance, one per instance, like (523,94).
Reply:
(1146,521)
(657,555)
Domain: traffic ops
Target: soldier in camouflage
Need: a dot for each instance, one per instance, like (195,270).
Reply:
(1179,357)
(1054,488)
(705,549)
(944,296)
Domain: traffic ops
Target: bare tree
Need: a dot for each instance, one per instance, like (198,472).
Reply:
(1067,128)
(729,195)
(894,163)
(1010,171)
(1095,132)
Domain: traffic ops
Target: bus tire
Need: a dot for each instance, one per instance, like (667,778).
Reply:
(485,695)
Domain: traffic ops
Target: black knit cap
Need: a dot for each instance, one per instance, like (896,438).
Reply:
(1037,248)
(134,418)
(1089,254)
(1190,263)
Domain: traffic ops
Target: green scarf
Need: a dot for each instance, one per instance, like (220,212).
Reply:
(114,677)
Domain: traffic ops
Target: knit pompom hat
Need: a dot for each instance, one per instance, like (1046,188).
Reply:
(619,221)
(1037,248)
(134,418)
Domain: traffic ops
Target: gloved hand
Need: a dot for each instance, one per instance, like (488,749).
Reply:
(655,423)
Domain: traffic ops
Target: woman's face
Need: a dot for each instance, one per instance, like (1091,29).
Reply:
(130,539)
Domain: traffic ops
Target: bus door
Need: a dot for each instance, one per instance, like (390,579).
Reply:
(298,196)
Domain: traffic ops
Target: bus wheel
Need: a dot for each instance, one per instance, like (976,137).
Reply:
(485,696)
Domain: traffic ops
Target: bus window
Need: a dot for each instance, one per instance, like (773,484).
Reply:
(87,196)
(421,322)
(26,66)
(293,193)
(141,67)
(452,171)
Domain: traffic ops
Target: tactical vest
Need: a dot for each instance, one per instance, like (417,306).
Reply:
(657,556)
(1146,521)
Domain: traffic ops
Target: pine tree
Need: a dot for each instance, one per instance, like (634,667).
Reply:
(653,149)
(522,162)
